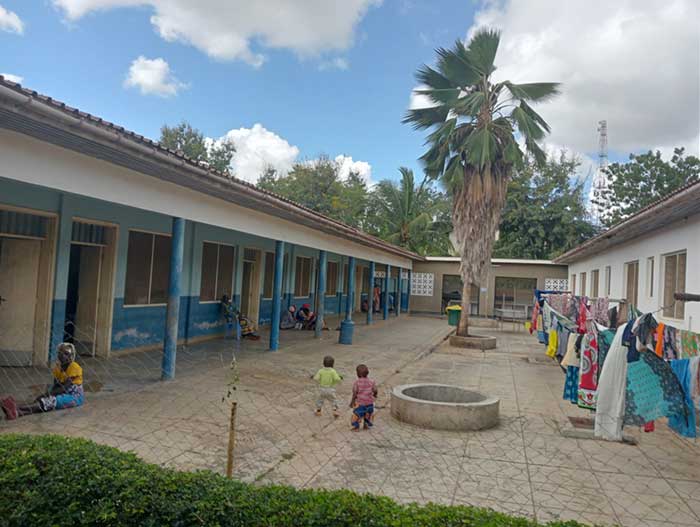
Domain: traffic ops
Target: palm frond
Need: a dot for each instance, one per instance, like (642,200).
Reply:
(455,66)
(422,118)
(431,78)
(440,95)
(526,124)
(534,116)
(471,104)
(482,50)
(534,91)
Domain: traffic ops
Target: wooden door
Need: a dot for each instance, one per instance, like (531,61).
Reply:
(19,273)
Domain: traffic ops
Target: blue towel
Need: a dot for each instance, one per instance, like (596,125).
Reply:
(685,427)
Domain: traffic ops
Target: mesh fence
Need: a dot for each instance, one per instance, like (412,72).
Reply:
(534,463)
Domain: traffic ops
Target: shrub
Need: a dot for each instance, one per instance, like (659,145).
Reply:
(59,481)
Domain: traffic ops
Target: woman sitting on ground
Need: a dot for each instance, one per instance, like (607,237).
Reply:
(306,317)
(66,391)
(289,318)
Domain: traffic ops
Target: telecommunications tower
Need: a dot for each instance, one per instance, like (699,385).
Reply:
(600,180)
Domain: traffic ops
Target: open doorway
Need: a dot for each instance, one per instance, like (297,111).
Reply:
(250,286)
(90,291)
(27,249)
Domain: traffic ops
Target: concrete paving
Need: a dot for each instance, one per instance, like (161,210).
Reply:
(526,465)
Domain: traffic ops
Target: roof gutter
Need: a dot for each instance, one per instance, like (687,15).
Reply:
(73,120)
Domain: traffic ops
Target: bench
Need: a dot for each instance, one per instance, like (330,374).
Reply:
(514,314)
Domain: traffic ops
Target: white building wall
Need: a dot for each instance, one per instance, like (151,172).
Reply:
(681,236)
(32,161)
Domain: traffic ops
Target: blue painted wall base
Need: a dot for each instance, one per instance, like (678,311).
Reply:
(347,328)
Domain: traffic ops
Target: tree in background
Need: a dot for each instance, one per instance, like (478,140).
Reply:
(642,181)
(473,147)
(545,213)
(192,143)
(317,185)
(414,217)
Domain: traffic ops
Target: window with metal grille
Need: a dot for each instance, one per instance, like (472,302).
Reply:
(147,268)
(269,277)
(650,277)
(608,279)
(331,278)
(594,283)
(302,281)
(632,282)
(583,284)
(218,265)
(674,282)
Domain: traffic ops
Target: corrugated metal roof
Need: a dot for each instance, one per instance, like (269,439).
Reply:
(677,206)
(17,120)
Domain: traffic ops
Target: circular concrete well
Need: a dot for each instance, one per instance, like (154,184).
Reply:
(443,407)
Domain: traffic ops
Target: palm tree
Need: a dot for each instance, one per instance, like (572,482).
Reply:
(409,214)
(473,147)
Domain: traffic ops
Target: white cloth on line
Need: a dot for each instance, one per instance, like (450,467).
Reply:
(612,384)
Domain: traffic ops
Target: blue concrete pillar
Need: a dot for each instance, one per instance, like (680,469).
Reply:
(397,296)
(370,296)
(341,285)
(408,292)
(347,326)
(177,250)
(321,309)
(277,296)
(385,293)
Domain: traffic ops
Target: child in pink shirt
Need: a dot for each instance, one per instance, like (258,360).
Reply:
(364,393)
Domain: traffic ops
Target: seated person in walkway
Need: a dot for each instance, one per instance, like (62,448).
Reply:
(66,391)
(306,317)
(376,298)
(230,314)
(364,306)
(247,328)
(289,318)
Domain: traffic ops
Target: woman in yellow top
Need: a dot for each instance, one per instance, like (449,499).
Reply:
(66,391)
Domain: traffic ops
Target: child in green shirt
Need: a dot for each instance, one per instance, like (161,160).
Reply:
(327,378)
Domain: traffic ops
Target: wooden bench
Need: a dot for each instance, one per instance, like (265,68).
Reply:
(514,314)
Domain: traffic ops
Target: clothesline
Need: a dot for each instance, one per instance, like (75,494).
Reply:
(666,359)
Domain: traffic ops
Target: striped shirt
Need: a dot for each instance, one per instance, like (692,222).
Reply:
(363,391)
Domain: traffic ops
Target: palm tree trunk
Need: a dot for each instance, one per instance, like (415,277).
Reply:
(463,326)
(476,213)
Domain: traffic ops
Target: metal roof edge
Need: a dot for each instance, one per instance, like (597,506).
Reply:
(121,137)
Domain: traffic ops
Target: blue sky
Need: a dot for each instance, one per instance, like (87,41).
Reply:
(356,112)
(336,76)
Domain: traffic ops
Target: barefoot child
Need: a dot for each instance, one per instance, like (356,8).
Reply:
(364,393)
(327,378)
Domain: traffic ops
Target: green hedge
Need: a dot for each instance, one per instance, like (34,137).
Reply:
(57,481)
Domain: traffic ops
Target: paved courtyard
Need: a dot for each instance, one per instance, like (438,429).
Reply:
(526,466)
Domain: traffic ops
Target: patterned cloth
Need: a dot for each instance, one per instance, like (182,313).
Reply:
(672,344)
(583,315)
(652,391)
(552,343)
(562,342)
(690,344)
(588,383)
(561,303)
(605,339)
(598,309)
(685,427)
(571,384)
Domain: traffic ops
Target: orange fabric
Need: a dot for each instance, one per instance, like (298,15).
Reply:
(659,350)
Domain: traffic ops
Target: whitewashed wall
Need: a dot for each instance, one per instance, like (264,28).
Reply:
(32,161)
(681,236)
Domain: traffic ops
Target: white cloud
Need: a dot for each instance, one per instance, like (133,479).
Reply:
(337,63)
(153,77)
(346,164)
(634,63)
(257,148)
(228,29)
(10,22)
(12,78)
